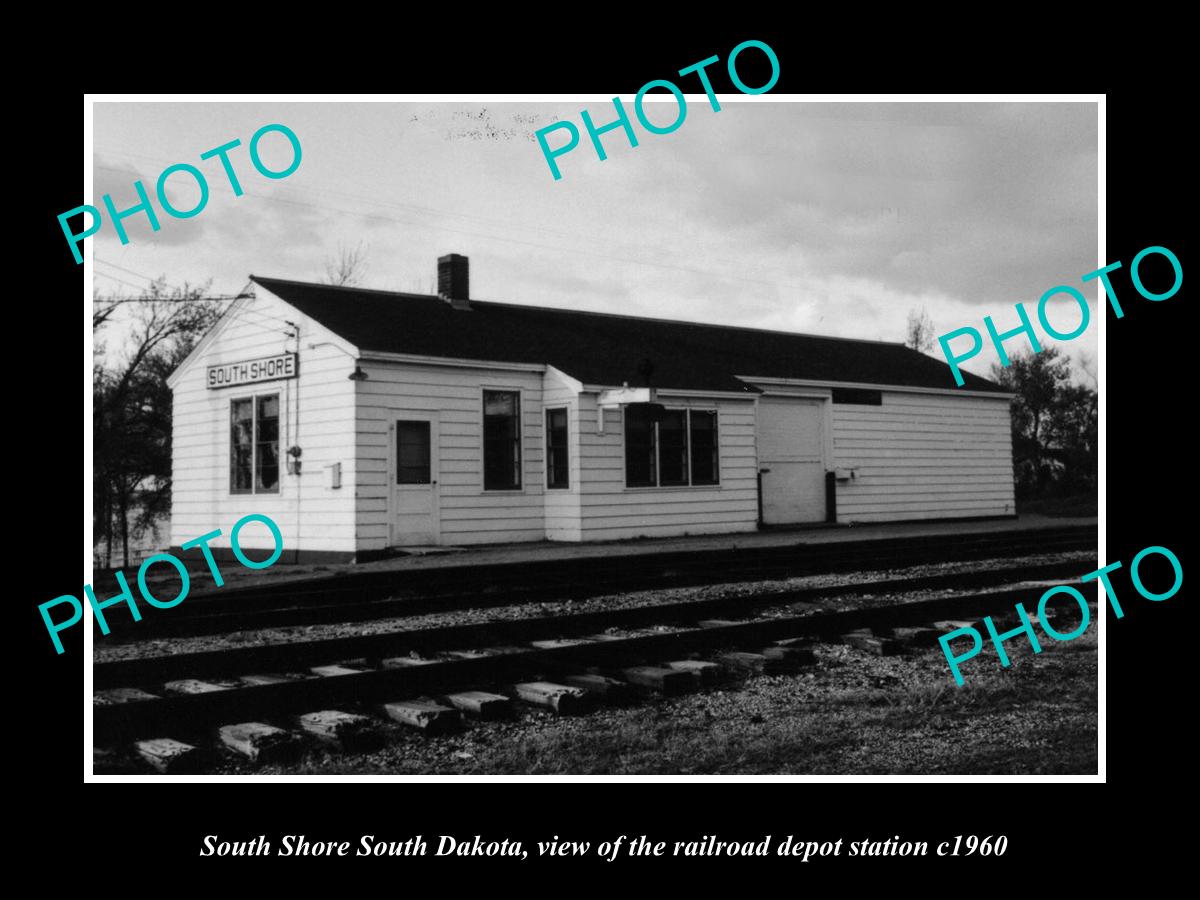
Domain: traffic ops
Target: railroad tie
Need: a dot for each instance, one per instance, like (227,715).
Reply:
(333,671)
(117,696)
(755,663)
(871,643)
(269,678)
(470,653)
(480,704)
(663,679)
(795,642)
(426,715)
(170,756)
(915,636)
(612,690)
(790,658)
(563,699)
(404,662)
(262,743)
(194,686)
(709,673)
(349,731)
(946,625)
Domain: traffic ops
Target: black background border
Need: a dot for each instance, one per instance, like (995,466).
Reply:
(1146,466)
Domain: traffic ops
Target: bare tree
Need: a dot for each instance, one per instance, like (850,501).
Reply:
(131,404)
(347,267)
(920,331)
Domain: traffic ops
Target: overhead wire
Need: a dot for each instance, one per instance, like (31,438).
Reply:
(509,240)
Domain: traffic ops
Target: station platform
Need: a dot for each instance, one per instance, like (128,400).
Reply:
(424,558)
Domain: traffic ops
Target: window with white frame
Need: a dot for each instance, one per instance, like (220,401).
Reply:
(557,456)
(501,440)
(678,450)
(254,445)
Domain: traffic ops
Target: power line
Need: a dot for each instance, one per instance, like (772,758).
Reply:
(500,223)
(264,329)
(136,287)
(154,281)
(123,269)
(253,317)
(607,256)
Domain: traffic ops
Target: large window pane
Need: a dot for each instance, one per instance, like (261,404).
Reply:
(267,467)
(240,476)
(412,448)
(241,446)
(640,464)
(557,460)
(501,440)
(672,447)
(267,444)
(705,463)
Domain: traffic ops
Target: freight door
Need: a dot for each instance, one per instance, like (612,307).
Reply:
(791,445)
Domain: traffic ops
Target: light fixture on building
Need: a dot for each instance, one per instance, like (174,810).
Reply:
(358,374)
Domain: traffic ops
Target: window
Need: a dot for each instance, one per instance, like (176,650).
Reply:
(703,437)
(501,440)
(557,459)
(679,450)
(857,395)
(673,448)
(641,451)
(241,447)
(254,445)
(412,453)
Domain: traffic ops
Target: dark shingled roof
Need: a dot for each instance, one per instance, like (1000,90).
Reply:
(602,349)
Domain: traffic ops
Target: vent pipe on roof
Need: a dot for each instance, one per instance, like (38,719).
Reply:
(454,282)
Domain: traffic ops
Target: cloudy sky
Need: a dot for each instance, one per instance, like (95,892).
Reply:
(823,218)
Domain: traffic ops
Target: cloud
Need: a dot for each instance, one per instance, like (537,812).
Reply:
(828,218)
(986,202)
(118,180)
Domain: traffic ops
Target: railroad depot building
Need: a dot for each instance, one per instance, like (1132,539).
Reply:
(362,420)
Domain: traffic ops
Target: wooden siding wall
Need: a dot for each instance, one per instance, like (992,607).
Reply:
(924,456)
(310,515)
(609,510)
(469,514)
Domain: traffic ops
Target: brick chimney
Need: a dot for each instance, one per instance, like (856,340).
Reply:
(454,283)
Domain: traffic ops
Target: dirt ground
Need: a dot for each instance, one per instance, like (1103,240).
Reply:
(852,713)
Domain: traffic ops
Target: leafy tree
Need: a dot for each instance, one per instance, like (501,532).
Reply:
(131,404)
(1054,423)
(1072,437)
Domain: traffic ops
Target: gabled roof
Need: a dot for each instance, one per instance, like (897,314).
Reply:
(604,349)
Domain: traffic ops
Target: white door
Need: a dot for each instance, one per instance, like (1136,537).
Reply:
(413,474)
(791,445)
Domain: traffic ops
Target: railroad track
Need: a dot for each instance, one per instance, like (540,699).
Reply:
(375,595)
(264,699)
